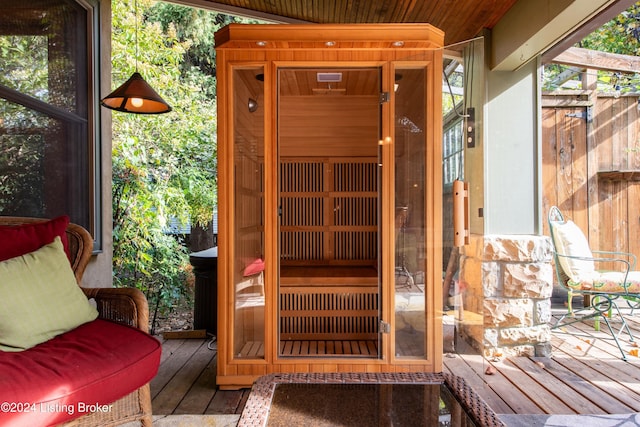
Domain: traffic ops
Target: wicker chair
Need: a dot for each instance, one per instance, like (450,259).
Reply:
(123,305)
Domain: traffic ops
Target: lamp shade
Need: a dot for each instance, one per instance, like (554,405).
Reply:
(136,96)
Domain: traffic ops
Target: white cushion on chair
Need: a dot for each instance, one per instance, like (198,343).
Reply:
(570,240)
(614,282)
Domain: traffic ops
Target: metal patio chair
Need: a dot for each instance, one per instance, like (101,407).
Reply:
(575,265)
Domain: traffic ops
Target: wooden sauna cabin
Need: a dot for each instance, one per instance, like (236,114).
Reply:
(330,234)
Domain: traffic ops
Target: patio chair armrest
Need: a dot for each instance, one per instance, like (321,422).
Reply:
(123,305)
(631,258)
(626,263)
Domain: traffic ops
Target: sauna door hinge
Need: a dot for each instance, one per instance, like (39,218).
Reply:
(385,328)
(384,97)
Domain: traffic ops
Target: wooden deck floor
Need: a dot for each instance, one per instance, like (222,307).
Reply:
(185,383)
(585,375)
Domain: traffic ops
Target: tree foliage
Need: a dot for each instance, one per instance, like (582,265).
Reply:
(621,35)
(164,166)
(23,67)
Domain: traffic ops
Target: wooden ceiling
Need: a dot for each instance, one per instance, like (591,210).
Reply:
(459,19)
(520,30)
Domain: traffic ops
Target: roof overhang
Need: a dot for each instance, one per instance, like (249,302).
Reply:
(531,28)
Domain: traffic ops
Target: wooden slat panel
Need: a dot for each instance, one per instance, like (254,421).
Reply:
(564,165)
(620,231)
(549,163)
(326,313)
(633,197)
(353,131)
(579,171)
(329,211)
(616,134)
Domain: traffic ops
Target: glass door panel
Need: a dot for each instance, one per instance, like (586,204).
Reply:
(409,227)
(248,270)
(329,290)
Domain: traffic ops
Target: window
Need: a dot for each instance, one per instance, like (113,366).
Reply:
(48,138)
(452,151)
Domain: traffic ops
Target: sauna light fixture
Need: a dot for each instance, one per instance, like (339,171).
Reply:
(136,95)
(398,43)
(253,105)
(261,43)
(329,43)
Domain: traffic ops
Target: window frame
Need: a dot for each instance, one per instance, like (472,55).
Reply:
(453,158)
(85,100)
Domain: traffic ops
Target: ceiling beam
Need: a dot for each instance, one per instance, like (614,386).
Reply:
(586,58)
(575,37)
(530,28)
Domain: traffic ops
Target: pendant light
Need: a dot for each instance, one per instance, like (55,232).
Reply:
(136,95)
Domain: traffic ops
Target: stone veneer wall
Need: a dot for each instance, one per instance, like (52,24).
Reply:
(505,286)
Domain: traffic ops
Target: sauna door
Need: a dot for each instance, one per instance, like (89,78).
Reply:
(329,210)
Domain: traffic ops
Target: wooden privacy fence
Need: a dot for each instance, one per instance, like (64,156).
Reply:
(591,165)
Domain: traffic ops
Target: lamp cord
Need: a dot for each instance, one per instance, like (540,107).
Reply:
(135,11)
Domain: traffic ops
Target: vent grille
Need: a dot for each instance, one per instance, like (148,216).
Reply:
(329,77)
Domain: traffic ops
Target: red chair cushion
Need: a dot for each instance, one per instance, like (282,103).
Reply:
(75,373)
(17,240)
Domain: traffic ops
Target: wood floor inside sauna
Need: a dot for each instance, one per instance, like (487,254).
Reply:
(309,348)
(412,346)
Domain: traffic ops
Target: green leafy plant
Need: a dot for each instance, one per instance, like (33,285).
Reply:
(164,166)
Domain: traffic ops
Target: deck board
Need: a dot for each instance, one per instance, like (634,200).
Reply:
(500,384)
(200,395)
(227,402)
(554,396)
(172,361)
(185,383)
(585,381)
(585,375)
(174,391)
(458,366)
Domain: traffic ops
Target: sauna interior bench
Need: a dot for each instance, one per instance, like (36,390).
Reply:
(328,275)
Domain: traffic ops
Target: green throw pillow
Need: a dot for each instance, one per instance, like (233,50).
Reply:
(39,298)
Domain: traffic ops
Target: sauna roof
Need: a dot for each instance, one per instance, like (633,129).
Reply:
(303,36)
